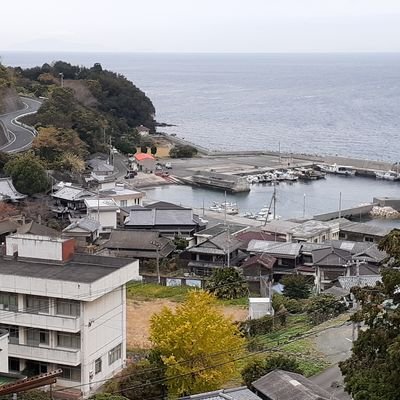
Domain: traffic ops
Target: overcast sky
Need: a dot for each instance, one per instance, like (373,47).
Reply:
(201,25)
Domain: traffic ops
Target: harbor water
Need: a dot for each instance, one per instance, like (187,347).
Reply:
(293,199)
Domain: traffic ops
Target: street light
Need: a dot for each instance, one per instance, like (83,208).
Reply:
(158,247)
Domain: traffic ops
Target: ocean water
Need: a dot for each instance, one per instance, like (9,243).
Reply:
(345,104)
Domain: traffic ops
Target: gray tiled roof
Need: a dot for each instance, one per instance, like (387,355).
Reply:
(8,226)
(365,229)
(283,385)
(220,228)
(347,282)
(330,256)
(139,240)
(311,228)
(34,228)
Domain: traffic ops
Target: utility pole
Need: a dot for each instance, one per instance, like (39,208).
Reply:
(229,247)
(279,149)
(274,202)
(157,246)
(340,204)
(304,205)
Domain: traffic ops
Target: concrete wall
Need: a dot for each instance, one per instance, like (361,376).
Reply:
(388,202)
(103,328)
(40,247)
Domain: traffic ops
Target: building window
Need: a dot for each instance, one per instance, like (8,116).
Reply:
(368,239)
(97,366)
(36,337)
(68,307)
(114,354)
(123,203)
(13,364)
(13,333)
(70,373)
(8,301)
(69,340)
(37,304)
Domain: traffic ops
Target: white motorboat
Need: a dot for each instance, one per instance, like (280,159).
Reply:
(388,175)
(338,169)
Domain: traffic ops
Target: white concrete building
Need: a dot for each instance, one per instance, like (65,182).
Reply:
(3,350)
(104,211)
(64,310)
(142,130)
(122,195)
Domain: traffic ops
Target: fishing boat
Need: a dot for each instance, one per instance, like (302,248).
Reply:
(338,169)
(388,175)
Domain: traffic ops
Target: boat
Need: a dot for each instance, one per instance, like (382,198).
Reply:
(338,169)
(229,208)
(309,174)
(388,175)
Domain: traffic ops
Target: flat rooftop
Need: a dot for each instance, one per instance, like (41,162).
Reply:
(81,269)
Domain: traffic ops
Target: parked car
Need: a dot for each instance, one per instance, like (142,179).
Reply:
(130,174)
(168,165)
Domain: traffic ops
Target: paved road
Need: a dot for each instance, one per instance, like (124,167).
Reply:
(20,138)
(336,344)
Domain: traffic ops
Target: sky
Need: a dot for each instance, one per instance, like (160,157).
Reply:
(201,25)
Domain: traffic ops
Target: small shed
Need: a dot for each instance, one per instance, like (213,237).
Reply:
(142,130)
(260,307)
(146,162)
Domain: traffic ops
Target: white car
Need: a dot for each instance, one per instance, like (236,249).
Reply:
(168,165)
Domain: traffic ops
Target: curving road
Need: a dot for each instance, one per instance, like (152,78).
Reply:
(20,137)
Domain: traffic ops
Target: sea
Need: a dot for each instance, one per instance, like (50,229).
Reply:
(345,104)
(337,104)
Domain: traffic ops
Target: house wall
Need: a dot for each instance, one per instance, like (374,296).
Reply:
(147,165)
(106,218)
(103,327)
(4,353)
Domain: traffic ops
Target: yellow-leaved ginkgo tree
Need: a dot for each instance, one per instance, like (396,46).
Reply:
(197,344)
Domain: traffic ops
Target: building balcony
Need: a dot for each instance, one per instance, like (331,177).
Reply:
(51,322)
(45,354)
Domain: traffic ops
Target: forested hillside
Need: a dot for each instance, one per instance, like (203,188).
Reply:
(95,103)
(9,100)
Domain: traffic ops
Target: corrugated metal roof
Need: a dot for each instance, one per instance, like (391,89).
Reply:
(347,282)
(155,217)
(8,191)
(87,224)
(72,193)
(274,248)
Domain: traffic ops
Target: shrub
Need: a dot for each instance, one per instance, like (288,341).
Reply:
(183,151)
(227,283)
(296,287)
(291,305)
(257,368)
(323,307)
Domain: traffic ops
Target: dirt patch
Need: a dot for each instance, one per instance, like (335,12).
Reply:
(140,312)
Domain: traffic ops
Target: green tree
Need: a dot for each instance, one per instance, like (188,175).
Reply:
(257,368)
(373,370)
(296,287)
(183,151)
(135,382)
(28,174)
(227,283)
(323,307)
(191,339)
(107,396)
(391,244)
